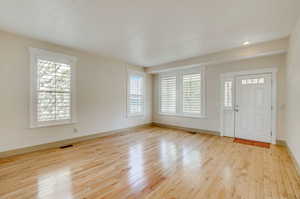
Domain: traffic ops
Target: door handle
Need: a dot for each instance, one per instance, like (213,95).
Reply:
(236,108)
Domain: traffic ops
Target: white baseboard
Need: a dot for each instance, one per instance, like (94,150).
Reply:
(66,141)
(186,129)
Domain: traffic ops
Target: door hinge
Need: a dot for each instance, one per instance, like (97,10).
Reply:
(271,133)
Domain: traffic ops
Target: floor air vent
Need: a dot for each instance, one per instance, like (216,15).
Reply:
(66,146)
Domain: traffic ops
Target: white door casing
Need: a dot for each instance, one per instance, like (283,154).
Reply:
(253,107)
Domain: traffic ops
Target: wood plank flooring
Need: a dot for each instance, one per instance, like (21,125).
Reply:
(152,163)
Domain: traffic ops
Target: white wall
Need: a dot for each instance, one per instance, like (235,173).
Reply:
(293,94)
(213,93)
(101,95)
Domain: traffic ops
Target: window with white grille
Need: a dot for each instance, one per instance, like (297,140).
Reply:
(253,81)
(168,96)
(135,93)
(228,94)
(52,88)
(191,93)
(182,92)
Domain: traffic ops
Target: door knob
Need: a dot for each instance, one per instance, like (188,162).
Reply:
(236,108)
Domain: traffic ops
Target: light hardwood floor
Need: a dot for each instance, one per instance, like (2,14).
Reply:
(152,163)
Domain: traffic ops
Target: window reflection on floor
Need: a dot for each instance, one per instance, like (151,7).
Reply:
(136,164)
(168,153)
(191,159)
(57,184)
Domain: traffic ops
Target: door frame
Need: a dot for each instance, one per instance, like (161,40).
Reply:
(232,76)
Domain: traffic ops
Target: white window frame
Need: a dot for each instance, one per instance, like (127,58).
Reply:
(179,91)
(141,74)
(36,54)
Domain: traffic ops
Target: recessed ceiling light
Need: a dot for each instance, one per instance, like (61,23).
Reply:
(246,43)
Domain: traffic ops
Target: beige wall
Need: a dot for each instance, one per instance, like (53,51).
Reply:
(213,93)
(241,53)
(101,95)
(293,94)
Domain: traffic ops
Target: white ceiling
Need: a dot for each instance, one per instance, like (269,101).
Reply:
(150,32)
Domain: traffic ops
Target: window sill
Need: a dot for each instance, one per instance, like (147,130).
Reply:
(186,116)
(52,124)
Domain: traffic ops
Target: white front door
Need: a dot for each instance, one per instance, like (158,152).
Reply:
(253,107)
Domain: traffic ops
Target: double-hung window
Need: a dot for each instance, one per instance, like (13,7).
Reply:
(52,88)
(135,93)
(182,92)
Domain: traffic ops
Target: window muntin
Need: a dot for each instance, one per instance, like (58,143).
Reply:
(136,94)
(253,81)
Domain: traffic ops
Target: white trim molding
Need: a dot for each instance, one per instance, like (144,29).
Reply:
(232,75)
(36,54)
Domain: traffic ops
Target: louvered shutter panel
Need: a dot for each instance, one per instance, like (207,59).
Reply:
(192,93)
(168,94)
(53,91)
(136,94)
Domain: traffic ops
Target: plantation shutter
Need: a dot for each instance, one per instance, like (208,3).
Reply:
(191,93)
(136,94)
(53,91)
(168,94)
